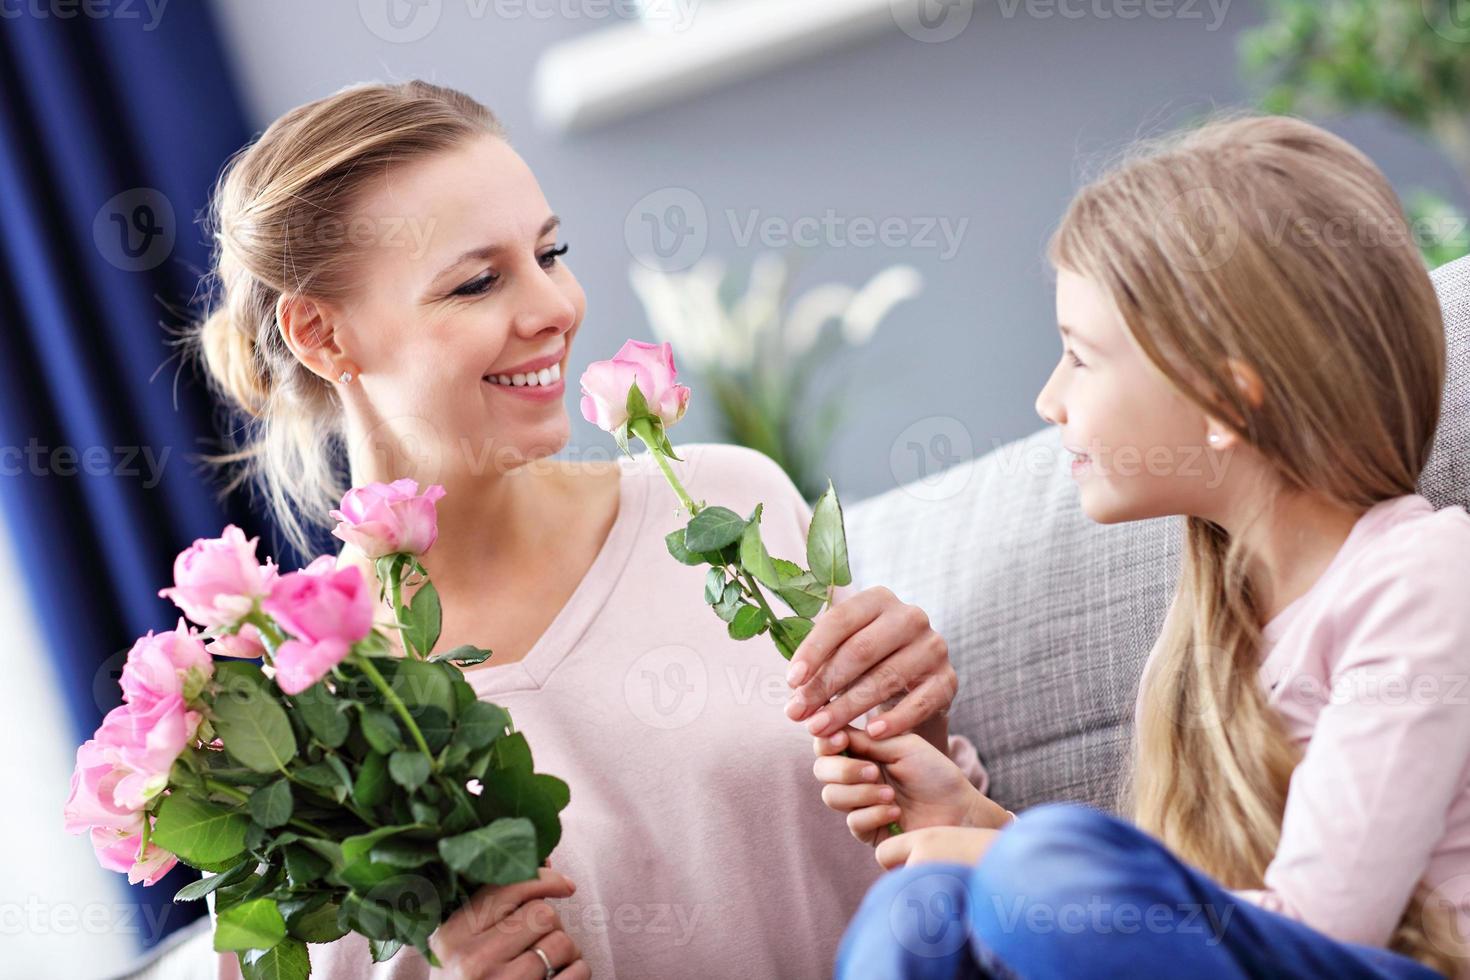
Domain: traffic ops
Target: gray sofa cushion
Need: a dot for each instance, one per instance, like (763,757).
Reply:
(1049,616)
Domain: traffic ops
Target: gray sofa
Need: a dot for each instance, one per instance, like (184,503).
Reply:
(1049,616)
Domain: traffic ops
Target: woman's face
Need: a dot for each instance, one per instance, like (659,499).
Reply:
(464,288)
(1140,447)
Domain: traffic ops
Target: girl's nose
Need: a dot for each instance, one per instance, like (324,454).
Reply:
(1048,405)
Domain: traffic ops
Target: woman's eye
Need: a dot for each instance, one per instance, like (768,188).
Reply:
(1076,361)
(549,259)
(477,286)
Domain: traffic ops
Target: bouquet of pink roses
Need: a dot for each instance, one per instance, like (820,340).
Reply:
(334,786)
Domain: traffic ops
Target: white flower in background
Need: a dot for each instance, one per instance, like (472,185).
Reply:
(877,299)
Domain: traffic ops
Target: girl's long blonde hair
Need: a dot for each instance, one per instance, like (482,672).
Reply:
(283,222)
(1268,240)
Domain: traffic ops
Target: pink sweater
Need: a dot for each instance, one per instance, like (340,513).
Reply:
(1370,672)
(696,833)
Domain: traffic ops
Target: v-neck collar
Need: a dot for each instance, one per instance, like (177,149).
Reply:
(586,600)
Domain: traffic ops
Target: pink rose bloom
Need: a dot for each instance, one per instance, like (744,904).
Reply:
(605,385)
(326,610)
(143,739)
(246,644)
(160,664)
(115,830)
(218,580)
(389,518)
(118,851)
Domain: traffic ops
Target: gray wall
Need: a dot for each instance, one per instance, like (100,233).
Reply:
(993,127)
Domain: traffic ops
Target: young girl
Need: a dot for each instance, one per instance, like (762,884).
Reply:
(1302,738)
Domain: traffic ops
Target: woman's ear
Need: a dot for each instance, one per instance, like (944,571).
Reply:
(309,329)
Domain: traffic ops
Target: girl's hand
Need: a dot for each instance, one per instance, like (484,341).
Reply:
(866,649)
(494,934)
(903,779)
(952,845)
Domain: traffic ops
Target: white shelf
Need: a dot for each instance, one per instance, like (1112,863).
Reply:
(616,72)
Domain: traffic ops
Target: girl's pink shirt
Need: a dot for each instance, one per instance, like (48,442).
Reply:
(696,833)
(1369,672)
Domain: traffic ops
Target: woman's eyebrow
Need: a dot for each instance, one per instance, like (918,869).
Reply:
(489,251)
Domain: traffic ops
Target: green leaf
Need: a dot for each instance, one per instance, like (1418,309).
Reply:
(409,769)
(270,806)
(791,632)
(423,619)
(826,542)
(380,730)
(674,541)
(322,712)
(372,785)
(329,776)
(730,603)
(197,830)
(313,920)
(466,654)
(256,924)
(195,890)
(287,960)
(480,724)
(254,728)
(712,529)
(803,593)
(304,865)
(748,622)
(501,853)
(753,555)
(714,585)
(383,950)
(403,852)
(420,683)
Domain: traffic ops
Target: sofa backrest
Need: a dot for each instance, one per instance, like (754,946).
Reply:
(1049,616)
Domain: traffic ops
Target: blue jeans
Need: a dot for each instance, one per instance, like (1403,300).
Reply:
(1068,891)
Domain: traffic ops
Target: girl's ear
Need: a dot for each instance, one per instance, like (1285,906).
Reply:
(1248,382)
(308,328)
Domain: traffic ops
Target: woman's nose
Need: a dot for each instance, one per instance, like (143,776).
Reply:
(545,306)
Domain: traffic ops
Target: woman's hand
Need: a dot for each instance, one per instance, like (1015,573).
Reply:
(902,779)
(867,649)
(952,845)
(495,933)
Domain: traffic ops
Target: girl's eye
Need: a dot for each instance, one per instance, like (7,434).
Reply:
(549,259)
(1076,361)
(477,286)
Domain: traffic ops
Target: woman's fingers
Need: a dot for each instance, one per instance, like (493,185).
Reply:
(560,952)
(909,667)
(491,905)
(577,971)
(930,696)
(839,797)
(852,644)
(829,630)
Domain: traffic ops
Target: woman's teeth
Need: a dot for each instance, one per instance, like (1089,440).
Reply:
(545,376)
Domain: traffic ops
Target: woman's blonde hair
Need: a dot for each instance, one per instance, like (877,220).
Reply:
(282,223)
(1271,241)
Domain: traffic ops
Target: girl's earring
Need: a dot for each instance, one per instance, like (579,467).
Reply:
(1214,438)
(345,377)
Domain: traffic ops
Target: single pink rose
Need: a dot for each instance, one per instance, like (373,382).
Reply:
(326,610)
(246,644)
(143,740)
(300,664)
(218,580)
(118,851)
(160,665)
(605,385)
(91,802)
(389,518)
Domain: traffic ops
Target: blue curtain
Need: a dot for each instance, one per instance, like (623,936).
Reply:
(112,131)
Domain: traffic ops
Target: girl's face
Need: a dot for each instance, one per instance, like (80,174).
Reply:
(464,288)
(1140,447)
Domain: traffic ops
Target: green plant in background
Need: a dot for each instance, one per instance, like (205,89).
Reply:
(1409,59)
(757,350)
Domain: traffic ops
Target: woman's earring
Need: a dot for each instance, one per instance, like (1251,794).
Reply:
(1214,438)
(345,377)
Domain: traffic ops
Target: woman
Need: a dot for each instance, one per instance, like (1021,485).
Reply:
(392,288)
